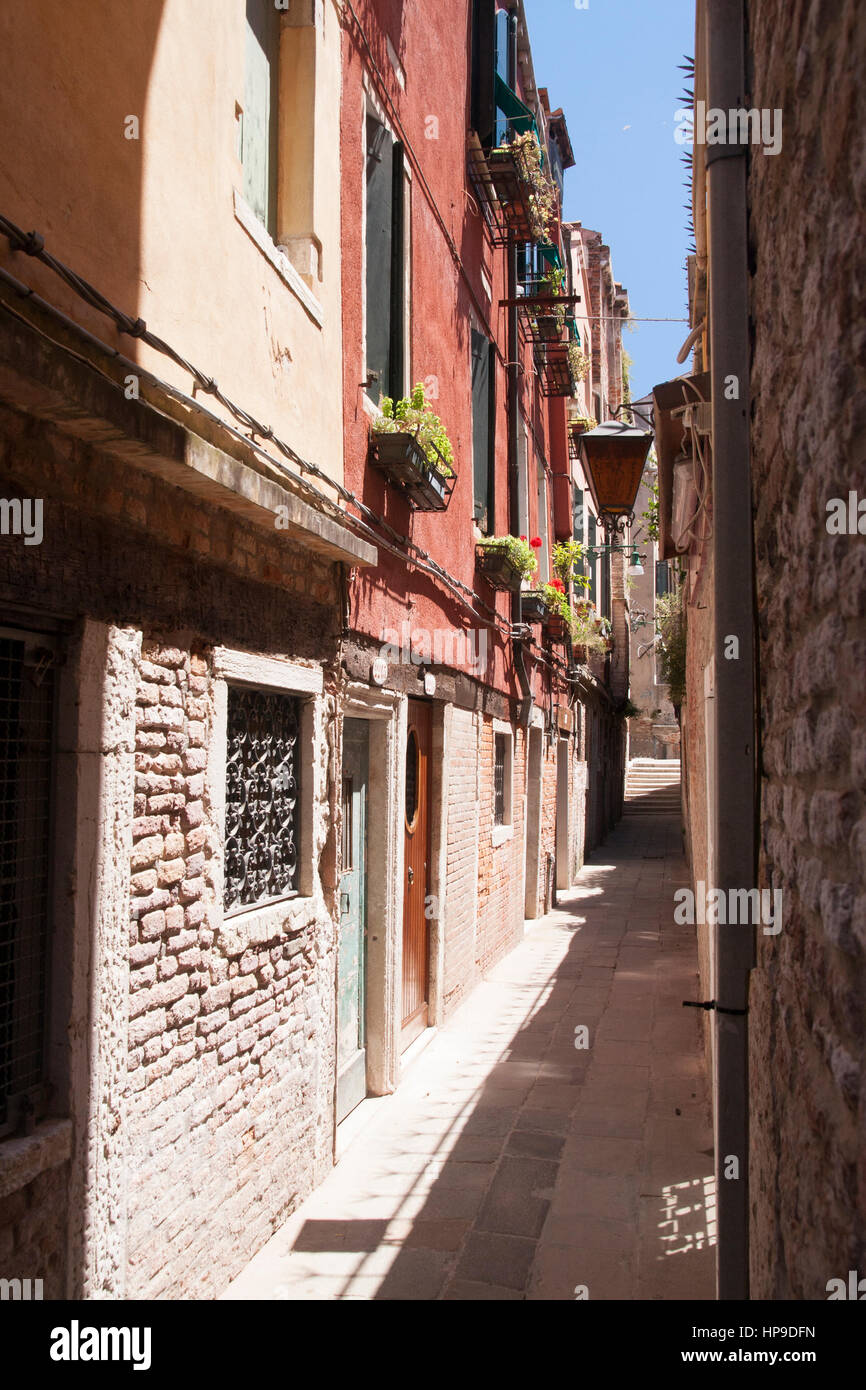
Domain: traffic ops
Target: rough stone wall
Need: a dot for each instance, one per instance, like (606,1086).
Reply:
(231,1031)
(808,1085)
(32,1231)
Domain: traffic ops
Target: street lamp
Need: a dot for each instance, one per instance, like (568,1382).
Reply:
(613,457)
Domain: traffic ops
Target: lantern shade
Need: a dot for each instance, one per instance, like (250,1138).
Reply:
(613,457)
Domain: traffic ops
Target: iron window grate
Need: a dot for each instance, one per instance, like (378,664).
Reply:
(500,753)
(26,765)
(262,797)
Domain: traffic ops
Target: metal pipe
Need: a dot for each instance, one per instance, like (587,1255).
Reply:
(732,793)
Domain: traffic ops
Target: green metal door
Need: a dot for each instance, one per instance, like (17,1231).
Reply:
(352,962)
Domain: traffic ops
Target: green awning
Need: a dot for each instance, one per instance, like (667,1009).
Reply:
(550,254)
(517,111)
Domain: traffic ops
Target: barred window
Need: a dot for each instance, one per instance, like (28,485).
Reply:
(500,761)
(26,774)
(262,797)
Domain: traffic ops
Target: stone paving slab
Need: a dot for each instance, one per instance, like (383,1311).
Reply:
(511,1165)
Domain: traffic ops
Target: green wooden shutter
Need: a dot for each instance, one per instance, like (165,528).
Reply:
(379,255)
(483,112)
(259,133)
(483,428)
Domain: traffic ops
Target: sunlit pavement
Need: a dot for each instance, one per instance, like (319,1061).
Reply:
(512,1164)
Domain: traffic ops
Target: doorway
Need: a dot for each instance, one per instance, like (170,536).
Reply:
(352,958)
(416,855)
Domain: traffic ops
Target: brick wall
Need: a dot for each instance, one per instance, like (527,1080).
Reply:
(462,858)
(230,1049)
(808,1098)
(500,866)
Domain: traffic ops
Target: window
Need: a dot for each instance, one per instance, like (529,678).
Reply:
(259,118)
(262,797)
(662,578)
(542,556)
(483,428)
(494,53)
(577,514)
(592,533)
(503,748)
(386,263)
(412,760)
(26,777)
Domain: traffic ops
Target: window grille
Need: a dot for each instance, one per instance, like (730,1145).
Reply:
(500,755)
(262,797)
(26,764)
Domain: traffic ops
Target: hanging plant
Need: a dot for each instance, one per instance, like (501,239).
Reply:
(541,199)
(578,361)
(519,552)
(412,415)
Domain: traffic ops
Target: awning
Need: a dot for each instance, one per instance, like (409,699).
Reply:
(550,254)
(518,113)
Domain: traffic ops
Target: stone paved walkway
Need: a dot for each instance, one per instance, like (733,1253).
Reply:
(510,1165)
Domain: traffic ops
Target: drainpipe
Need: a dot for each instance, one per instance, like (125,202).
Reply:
(513,360)
(733,799)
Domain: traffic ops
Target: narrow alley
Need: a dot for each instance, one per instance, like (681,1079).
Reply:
(515,1164)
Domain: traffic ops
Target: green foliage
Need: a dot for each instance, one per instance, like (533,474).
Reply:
(542,194)
(413,415)
(578,361)
(568,557)
(671,629)
(629,710)
(520,553)
(651,515)
(557,602)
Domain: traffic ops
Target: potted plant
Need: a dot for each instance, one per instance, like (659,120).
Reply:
(410,446)
(527,196)
(559,616)
(550,318)
(578,361)
(533,605)
(505,561)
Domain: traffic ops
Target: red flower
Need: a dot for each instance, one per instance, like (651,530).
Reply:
(558,585)
(535,542)
(523,538)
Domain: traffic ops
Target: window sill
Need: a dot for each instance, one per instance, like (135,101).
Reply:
(261,926)
(23,1159)
(280,262)
(502,833)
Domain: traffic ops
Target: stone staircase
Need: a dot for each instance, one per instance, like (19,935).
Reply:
(652,787)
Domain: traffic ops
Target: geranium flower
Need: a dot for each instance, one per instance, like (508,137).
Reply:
(535,542)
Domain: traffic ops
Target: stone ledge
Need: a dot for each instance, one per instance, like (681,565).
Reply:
(263,926)
(22,1160)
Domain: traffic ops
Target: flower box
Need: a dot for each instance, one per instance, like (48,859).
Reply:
(556,627)
(403,461)
(498,568)
(533,606)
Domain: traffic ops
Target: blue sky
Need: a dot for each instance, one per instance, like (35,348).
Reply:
(613,69)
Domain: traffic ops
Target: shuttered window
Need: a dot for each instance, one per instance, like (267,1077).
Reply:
(258,136)
(385,262)
(592,533)
(483,428)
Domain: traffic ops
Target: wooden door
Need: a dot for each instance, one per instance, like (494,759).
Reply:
(416,807)
(352,958)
